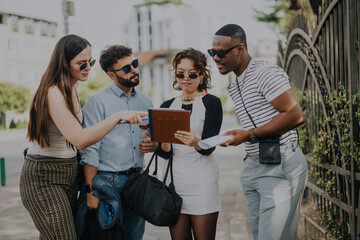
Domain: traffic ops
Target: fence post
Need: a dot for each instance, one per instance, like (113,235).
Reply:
(353,88)
(2,171)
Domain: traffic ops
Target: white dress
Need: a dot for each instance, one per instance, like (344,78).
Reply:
(195,175)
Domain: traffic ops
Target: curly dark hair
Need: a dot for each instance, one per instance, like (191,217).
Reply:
(200,64)
(111,54)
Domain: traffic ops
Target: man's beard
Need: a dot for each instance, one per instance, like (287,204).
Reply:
(224,72)
(126,82)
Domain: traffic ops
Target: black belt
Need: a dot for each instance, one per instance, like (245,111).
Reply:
(126,172)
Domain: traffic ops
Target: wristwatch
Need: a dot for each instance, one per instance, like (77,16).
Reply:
(252,137)
(88,188)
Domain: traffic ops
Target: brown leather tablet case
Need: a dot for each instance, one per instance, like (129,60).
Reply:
(164,123)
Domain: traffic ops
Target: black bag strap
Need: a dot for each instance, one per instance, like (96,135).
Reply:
(251,119)
(156,165)
(151,159)
(169,167)
(238,89)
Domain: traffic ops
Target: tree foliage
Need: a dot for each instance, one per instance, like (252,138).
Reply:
(282,12)
(160,2)
(91,86)
(14,97)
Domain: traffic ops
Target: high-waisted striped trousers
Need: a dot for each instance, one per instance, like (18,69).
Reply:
(48,190)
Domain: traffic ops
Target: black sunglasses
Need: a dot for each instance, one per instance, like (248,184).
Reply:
(191,75)
(127,68)
(83,65)
(221,53)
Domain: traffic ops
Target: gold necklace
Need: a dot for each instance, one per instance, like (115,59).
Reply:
(187,99)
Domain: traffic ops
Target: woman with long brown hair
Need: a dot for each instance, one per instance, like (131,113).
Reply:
(48,179)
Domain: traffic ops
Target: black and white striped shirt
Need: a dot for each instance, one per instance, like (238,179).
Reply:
(263,82)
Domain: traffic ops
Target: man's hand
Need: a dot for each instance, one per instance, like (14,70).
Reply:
(92,202)
(146,145)
(239,137)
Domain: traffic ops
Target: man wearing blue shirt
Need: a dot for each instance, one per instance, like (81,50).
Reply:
(121,152)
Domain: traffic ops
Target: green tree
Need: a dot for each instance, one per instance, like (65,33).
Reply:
(282,12)
(160,2)
(90,87)
(14,97)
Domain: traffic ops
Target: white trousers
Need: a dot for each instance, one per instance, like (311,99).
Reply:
(273,194)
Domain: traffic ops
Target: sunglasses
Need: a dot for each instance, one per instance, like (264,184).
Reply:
(127,68)
(83,65)
(220,53)
(191,75)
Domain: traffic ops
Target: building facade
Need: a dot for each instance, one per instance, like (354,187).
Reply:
(26,45)
(156,32)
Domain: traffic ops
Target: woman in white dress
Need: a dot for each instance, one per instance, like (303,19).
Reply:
(195,171)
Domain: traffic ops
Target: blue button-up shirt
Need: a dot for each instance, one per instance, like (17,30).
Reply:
(118,150)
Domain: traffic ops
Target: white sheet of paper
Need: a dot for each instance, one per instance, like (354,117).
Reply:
(213,141)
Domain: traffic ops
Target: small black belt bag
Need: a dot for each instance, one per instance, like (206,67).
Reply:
(269,150)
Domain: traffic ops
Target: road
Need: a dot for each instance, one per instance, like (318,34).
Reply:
(233,223)
(12,144)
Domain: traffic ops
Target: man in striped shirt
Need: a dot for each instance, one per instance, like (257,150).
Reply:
(266,107)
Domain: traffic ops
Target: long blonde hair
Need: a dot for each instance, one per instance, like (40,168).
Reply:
(57,73)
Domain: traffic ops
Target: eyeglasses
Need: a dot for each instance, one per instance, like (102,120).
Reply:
(127,68)
(220,53)
(191,75)
(83,65)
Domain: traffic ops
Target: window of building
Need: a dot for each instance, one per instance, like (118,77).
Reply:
(44,28)
(13,45)
(29,25)
(53,29)
(150,27)
(14,22)
(139,27)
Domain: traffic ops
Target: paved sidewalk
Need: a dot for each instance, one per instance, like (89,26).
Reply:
(233,223)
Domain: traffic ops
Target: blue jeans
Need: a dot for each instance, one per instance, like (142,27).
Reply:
(133,225)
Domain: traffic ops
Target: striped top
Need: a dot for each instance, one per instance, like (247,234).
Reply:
(263,82)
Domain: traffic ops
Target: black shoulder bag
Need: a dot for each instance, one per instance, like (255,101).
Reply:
(269,147)
(150,198)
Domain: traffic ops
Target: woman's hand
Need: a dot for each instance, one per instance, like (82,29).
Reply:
(133,117)
(166,147)
(188,138)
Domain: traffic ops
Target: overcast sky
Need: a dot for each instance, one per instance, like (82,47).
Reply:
(98,20)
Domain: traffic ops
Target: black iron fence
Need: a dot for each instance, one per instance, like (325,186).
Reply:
(325,65)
